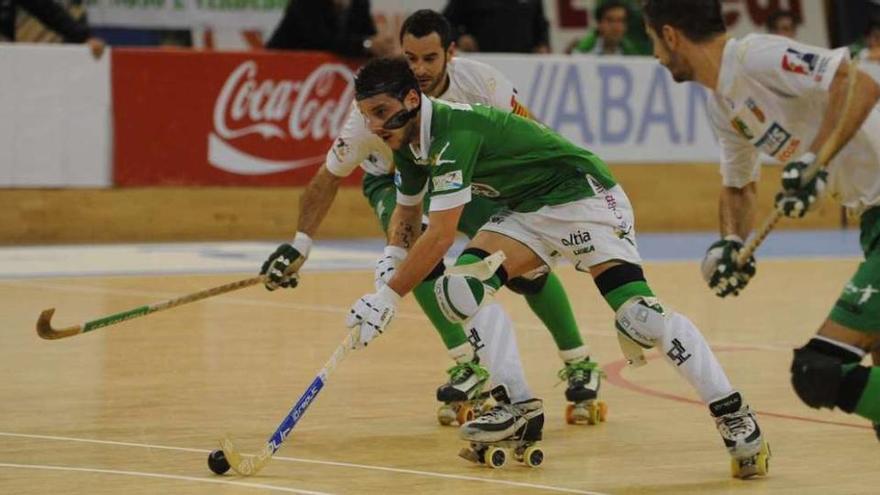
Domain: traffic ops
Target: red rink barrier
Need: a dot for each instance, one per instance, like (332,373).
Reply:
(225,119)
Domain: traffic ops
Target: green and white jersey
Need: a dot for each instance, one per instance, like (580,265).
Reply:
(474,149)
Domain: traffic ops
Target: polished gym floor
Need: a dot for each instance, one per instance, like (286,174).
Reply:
(135,408)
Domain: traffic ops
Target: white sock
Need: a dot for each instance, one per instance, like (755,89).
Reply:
(685,348)
(492,333)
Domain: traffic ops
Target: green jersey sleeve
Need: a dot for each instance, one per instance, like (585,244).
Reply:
(453,169)
(411,181)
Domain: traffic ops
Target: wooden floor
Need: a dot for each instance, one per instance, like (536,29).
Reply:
(135,408)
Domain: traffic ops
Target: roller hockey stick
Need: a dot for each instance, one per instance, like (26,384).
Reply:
(249,465)
(828,149)
(44,322)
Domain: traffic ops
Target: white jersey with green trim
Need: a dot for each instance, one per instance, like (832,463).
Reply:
(469,82)
(771,97)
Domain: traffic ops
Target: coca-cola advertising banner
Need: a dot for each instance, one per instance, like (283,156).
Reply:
(191,118)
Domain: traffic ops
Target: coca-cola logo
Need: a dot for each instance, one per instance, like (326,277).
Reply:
(311,109)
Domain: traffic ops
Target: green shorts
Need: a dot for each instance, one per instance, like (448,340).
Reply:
(382,195)
(858,306)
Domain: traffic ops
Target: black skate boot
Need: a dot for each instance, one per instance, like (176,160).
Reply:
(504,430)
(750,454)
(584,379)
(462,396)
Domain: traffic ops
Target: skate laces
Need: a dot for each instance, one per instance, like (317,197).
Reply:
(462,371)
(579,371)
(736,424)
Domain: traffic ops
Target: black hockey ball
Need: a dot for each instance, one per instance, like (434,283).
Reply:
(217,462)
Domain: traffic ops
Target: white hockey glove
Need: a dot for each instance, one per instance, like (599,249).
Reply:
(386,265)
(372,313)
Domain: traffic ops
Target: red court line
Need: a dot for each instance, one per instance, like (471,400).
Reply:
(614,375)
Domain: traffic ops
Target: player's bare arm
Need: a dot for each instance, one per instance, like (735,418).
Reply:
(405,226)
(865,96)
(316,200)
(428,250)
(737,210)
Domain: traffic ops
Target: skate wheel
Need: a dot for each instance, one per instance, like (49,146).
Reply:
(496,457)
(759,465)
(569,415)
(593,414)
(465,413)
(533,456)
(603,411)
(446,415)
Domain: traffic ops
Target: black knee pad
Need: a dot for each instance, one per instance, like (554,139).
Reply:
(527,287)
(818,379)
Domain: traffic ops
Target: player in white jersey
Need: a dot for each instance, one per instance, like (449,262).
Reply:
(783,98)
(426,40)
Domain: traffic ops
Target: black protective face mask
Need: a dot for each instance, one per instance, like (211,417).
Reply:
(400,119)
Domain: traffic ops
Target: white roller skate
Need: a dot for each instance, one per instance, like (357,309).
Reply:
(750,453)
(505,430)
(584,378)
(462,396)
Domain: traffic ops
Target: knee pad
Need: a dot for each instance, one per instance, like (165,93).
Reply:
(527,287)
(819,379)
(641,320)
(460,296)
(815,377)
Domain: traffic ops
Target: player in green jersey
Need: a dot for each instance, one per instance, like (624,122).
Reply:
(560,201)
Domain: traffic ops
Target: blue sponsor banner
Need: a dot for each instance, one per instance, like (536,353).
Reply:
(625,109)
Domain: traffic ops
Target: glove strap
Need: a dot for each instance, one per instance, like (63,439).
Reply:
(302,243)
(387,294)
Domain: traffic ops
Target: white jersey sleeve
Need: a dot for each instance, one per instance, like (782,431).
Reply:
(740,160)
(357,146)
(476,82)
(788,67)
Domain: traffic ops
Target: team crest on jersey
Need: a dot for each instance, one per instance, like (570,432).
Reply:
(773,140)
(756,110)
(741,127)
(799,62)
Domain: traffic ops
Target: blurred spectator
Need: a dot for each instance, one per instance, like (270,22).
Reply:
(53,16)
(609,36)
(514,26)
(782,23)
(869,49)
(344,27)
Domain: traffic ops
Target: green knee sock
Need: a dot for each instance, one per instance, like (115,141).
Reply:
(452,333)
(627,291)
(552,307)
(869,403)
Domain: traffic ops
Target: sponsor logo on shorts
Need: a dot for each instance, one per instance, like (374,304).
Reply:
(583,250)
(577,238)
(773,140)
(624,232)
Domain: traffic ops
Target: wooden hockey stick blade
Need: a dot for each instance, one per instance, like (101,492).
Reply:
(44,322)
(45,330)
(244,465)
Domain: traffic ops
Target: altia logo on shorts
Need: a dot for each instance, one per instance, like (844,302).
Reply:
(294,110)
(577,238)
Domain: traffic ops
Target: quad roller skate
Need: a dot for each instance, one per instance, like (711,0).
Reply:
(583,379)
(462,396)
(506,430)
(750,453)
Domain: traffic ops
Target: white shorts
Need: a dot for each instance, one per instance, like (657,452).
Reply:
(587,232)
